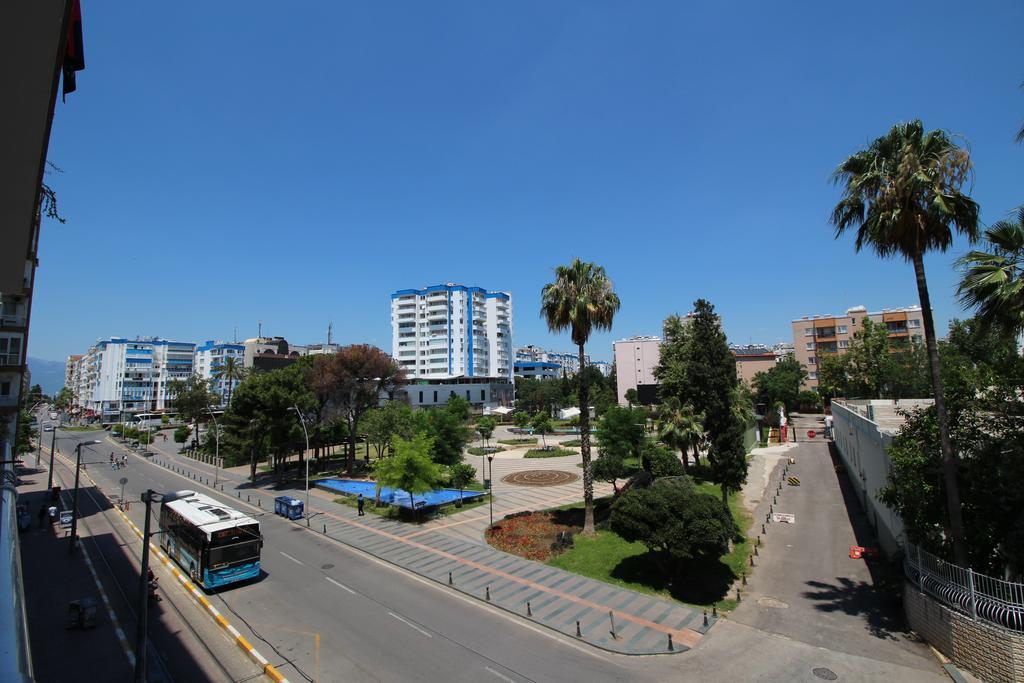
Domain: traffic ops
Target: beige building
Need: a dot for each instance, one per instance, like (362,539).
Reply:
(817,336)
(635,361)
(751,360)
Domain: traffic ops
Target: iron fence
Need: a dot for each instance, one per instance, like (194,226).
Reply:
(976,595)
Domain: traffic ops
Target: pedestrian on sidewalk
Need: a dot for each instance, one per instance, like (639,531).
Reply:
(124,460)
(359,504)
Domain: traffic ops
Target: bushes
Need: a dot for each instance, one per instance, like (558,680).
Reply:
(518,442)
(552,452)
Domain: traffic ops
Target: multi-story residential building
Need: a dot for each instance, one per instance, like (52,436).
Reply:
(568,363)
(122,377)
(752,359)
(537,369)
(269,353)
(452,333)
(821,335)
(602,366)
(210,357)
(635,361)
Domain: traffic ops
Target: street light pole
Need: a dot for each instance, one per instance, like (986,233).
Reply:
(74,496)
(53,447)
(305,454)
(141,631)
(490,488)
(39,444)
(216,457)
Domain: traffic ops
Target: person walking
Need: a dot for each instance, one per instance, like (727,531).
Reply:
(359,504)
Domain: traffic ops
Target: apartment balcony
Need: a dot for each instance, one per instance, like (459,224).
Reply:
(12,322)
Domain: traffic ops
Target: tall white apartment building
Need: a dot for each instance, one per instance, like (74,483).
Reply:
(121,377)
(448,331)
(635,361)
(210,357)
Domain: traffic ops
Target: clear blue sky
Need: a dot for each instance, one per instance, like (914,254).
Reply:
(226,163)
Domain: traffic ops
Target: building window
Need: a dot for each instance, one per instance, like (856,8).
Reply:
(421,397)
(5,388)
(467,395)
(483,394)
(809,346)
(435,397)
(842,329)
(812,361)
(844,343)
(808,331)
(812,375)
(914,323)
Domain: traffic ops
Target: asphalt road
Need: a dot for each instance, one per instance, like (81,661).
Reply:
(327,612)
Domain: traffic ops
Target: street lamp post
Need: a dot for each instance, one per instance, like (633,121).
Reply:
(142,628)
(53,447)
(490,488)
(39,444)
(216,457)
(305,454)
(74,496)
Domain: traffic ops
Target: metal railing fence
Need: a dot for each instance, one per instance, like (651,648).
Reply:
(976,595)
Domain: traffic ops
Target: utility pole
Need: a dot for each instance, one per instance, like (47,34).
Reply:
(53,447)
(141,631)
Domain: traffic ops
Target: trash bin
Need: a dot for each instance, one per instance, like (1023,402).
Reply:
(289,507)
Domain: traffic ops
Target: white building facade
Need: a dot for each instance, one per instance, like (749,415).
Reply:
(449,331)
(210,357)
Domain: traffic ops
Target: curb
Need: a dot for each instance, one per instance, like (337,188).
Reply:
(267,668)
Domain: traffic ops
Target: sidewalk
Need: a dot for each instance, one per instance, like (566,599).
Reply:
(53,578)
(557,599)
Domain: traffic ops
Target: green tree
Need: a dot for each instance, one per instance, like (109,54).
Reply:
(458,406)
(631,397)
(191,399)
(681,428)
(410,468)
(485,428)
(231,371)
(64,399)
(181,434)
(447,431)
(993,278)
(541,424)
(609,467)
(26,433)
(581,300)
(674,358)
(380,425)
(460,475)
(904,197)
(521,418)
(620,432)
(780,383)
(674,521)
(661,462)
(358,375)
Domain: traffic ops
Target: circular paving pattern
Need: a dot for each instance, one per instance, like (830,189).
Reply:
(540,478)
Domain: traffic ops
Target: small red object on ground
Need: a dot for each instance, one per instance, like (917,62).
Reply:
(856,552)
(810,434)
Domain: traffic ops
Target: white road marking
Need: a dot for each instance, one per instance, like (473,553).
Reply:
(340,585)
(499,675)
(290,557)
(410,624)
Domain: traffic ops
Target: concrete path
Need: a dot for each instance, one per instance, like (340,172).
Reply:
(806,587)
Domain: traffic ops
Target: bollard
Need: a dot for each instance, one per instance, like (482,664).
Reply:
(307,521)
(325,529)
(751,560)
(755,550)
(758,541)
(775,499)
(714,610)
(738,598)
(611,618)
(450,579)
(247,498)
(488,597)
(743,578)
(670,648)
(578,633)
(771,509)
(705,623)
(259,502)
(529,612)
(239,493)
(763,529)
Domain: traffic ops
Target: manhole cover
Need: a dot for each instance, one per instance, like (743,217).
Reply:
(824,674)
(540,478)
(327,566)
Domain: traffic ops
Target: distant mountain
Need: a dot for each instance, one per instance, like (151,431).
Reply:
(49,374)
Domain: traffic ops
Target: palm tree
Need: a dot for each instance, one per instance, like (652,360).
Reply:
(993,281)
(680,428)
(230,370)
(903,196)
(581,299)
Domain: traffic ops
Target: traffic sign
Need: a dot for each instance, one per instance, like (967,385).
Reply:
(811,434)
(65,519)
(123,481)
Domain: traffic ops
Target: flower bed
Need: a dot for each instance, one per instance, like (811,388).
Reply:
(550,452)
(528,534)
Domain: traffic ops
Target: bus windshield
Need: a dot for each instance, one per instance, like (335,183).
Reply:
(246,551)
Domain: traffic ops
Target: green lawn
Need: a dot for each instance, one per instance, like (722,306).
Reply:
(86,428)
(553,453)
(526,441)
(609,558)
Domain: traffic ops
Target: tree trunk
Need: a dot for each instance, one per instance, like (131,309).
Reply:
(588,470)
(949,458)
(686,459)
(350,458)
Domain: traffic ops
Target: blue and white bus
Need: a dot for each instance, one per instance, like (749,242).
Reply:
(217,545)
